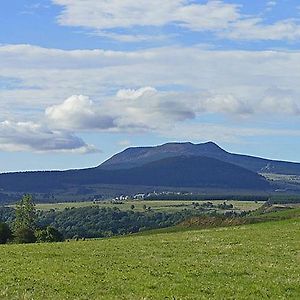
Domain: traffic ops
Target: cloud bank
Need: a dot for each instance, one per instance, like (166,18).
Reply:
(218,17)
(147,109)
(150,90)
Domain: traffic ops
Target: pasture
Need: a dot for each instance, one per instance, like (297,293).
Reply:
(257,261)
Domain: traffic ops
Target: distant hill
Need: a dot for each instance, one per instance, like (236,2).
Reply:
(182,171)
(138,156)
(198,168)
(188,171)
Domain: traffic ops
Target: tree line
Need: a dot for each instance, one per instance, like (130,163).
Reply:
(27,225)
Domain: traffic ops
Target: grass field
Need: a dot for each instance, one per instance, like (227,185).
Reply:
(258,261)
(167,206)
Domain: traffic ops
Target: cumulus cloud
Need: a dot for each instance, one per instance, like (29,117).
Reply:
(30,136)
(78,112)
(129,110)
(149,109)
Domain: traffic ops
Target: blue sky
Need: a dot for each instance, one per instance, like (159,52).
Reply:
(82,80)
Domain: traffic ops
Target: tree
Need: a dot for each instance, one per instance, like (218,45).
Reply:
(132,206)
(5,233)
(48,234)
(24,235)
(25,222)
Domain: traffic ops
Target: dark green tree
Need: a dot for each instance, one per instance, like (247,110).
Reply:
(25,222)
(48,234)
(5,233)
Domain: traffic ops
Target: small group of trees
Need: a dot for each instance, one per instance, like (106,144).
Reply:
(24,228)
(225,206)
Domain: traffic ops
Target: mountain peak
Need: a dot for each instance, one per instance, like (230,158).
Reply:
(210,145)
(138,156)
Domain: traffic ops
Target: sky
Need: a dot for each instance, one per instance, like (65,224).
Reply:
(83,79)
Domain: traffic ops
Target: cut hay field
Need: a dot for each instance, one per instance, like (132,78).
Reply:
(258,261)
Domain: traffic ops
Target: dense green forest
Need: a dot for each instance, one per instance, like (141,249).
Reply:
(95,222)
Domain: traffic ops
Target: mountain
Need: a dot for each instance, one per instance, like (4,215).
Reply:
(191,171)
(198,168)
(179,171)
(139,156)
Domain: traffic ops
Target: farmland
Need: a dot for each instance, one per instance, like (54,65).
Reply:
(257,261)
(165,206)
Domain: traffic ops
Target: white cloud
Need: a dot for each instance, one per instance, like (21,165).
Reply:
(147,109)
(256,29)
(57,74)
(135,94)
(129,38)
(226,104)
(102,14)
(179,85)
(129,110)
(218,17)
(78,112)
(214,15)
(225,133)
(29,136)
(280,101)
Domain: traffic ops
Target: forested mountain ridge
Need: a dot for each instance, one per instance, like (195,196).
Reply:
(182,171)
(198,168)
(138,156)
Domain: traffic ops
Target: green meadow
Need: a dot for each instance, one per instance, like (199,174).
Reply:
(257,261)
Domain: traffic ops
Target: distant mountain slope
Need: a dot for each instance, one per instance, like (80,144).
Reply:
(134,157)
(191,171)
(182,171)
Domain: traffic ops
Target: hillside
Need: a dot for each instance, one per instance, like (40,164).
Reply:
(139,156)
(256,261)
(180,171)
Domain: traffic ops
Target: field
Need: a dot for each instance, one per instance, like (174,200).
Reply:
(258,261)
(166,206)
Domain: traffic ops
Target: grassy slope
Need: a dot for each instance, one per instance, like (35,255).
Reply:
(276,215)
(248,262)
